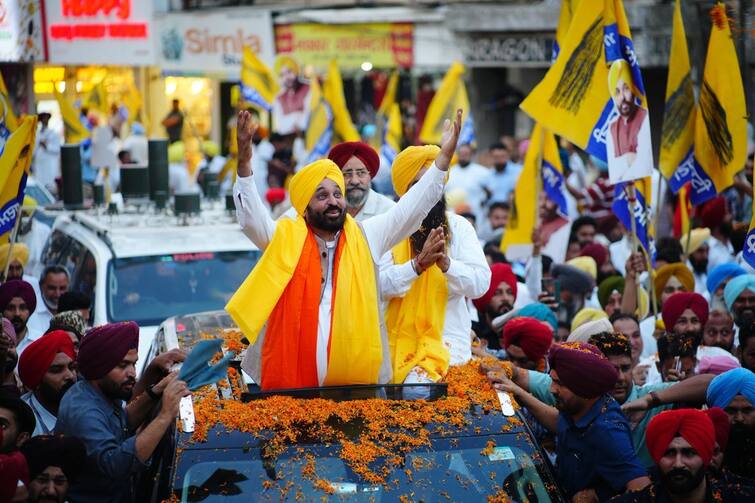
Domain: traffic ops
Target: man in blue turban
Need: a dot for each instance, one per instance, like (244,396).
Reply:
(734,391)
(739,296)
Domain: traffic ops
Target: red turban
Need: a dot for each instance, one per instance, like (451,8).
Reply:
(597,251)
(583,369)
(17,288)
(533,336)
(37,357)
(713,212)
(341,153)
(275,195)
(721,424)
(692,425)
(104,347)
(675,305)
(498,272)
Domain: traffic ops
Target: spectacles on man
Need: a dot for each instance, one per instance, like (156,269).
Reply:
(360,173)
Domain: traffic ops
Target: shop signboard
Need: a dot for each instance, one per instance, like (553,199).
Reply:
(508,49)
(384,45)
(20,31)
(213,43)
(87,32)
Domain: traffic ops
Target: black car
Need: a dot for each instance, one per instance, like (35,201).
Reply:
(486,457)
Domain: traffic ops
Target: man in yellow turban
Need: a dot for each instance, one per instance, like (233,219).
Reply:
(291,102)
(15,258)
(315,287)
(426,279)
(672,278)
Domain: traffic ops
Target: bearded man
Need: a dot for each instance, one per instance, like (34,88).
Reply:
(315,287)
(497,301)
(426,280)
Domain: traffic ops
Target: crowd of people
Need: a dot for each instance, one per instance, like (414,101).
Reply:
(634,373)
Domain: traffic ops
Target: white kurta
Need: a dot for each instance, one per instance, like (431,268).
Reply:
(47,158)
(382,232)
(468,275)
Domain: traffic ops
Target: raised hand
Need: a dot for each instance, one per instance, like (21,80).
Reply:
(246,126)
(448,141)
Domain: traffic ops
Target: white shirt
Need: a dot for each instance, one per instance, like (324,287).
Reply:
(47,159)
(45,419)
(37,325)
(382,232)
(719,253)
(375,204)
(468,275)
(472,180)
(557,244)
(138,147)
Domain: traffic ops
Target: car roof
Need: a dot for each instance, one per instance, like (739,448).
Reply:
(137,235)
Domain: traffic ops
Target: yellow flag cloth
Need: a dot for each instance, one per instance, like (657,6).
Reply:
(355,343)
(258,83)
(392,134)
(97,98)
(721,120)
(450,96)
(11,121)
(75,132)
(15,163)
(678,131)
(132,100)
(415,322)
(522,219)
(319,125)
(408,163)
(332,91)
(568,9)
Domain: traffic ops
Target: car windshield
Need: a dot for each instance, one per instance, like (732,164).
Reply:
(150,289)
(452,469)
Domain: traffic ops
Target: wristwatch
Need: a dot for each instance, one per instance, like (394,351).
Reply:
(151,393)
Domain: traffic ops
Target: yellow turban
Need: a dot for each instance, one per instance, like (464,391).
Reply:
(210,148)
(304,183)
(286,62)
(585,315)
(696,239)
(677,270)
(620,70)
(408,163)
(586,265)
(176,152)
(19,253)
(30,205)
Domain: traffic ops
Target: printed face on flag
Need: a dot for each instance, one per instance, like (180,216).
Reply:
(628,146)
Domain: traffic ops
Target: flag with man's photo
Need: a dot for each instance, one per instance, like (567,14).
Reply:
(593,94)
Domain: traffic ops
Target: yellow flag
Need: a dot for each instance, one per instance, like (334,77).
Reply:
(720,122)
(10,120)
(392,134)
(451,95)
(568,9)
(319,125)
(517,238)
(97,98)
(679,115)
(332,91)
(684,209)
(132,100)
(15,163)
(75,132)
(258,83)
(383,112)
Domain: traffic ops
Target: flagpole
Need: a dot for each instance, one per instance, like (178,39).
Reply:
(12,241)
(632,197)
(539,178)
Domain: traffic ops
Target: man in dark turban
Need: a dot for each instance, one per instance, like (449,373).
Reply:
(47,369)
(682,443)
(117,445)
(54,463)
(17,303)
(359,164)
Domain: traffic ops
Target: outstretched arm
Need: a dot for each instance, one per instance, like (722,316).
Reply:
(386,230)
(253,216)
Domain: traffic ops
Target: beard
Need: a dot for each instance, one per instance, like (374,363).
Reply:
(494,312)
(740,452)
(682,481)
(10,362)
(699,266)
(744,318)
(118,391)
(726,229)
(51,394)
(356,196)
(18,324)
(436,218)
(52,304)
(321,220)
(464,164)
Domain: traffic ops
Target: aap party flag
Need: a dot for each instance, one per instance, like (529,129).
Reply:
(568,9)
(258,83)
(15,163)
(74,130)
(451,95)
(748,253)
(640,212)
(8,120)
(319,124)
(392,134)
(678,132)
(721,119)
(593,94)
(542,159)
(332,92)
